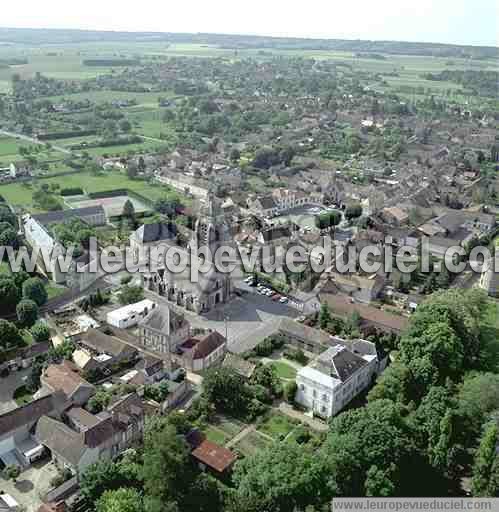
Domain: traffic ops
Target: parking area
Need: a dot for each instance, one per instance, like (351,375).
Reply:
(247,320)
(33,483)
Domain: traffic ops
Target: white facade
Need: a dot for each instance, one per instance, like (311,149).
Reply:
(327,395)
(131,315)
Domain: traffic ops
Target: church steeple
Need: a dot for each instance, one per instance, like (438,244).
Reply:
(211,228)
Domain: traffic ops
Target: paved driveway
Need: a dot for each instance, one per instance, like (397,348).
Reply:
(248,320)
(7,387)
(33,483)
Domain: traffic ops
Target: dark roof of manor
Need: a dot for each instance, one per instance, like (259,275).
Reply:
(346,364)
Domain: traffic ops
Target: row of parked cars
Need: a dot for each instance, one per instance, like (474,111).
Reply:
(265,290)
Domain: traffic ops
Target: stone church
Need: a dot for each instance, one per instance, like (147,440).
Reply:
(212,287)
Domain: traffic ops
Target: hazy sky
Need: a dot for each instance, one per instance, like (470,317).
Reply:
(447,21)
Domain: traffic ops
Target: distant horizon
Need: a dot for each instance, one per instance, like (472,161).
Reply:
(454,22)
(240,34)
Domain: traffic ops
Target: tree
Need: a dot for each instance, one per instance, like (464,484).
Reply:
(40,332)
(9,294)
(260,484)
(6,215)
(130,294)
(8,238)
(167,471)
(132,170)
(324,316)
(290,392)
(353,211)
(484,482)
(120,500)
(379,481)
(33,381)
(34,289)
(125,126)
(235,155)
(9,335)
(328,220)
(99,402)
(12,472)
(224,388)
(27,312)
(375,435)
(105,476)
(129,211)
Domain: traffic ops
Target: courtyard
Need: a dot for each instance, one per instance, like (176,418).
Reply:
(31,485)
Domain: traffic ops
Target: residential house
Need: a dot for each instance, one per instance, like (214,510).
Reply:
(72,449)
(65,377)
(395,215)
(336,376)
(104,349)
(202,352)
(163,330)
(370,316)
(17,445)
(363,289)
(265,206)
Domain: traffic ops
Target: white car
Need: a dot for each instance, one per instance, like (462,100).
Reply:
(283,300)
(269,293)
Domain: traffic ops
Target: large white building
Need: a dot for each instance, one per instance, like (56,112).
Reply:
(130,315)
(337,375)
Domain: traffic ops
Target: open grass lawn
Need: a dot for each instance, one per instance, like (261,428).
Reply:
(277,426)
(21,195)
(284,370)
(252,443)
(119,150)
(215,435)
(54,290)
(22,396)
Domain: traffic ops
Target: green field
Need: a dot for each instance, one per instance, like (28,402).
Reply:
(215,435)
(284,370)
(252,443)
(21,194)
(277,426)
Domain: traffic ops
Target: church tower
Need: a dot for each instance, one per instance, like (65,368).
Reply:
(211,229)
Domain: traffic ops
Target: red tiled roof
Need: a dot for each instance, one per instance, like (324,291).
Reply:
(214,456)
(341,306)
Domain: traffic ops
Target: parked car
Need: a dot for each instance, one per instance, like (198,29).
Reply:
(283,300)
(276,297)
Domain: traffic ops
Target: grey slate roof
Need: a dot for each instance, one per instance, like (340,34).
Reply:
(156,232)
(163,319)
(60,439)
(101,342)
(63,215)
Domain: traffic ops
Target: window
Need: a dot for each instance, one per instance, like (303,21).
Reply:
(324,397)
(323,410)
(314,393)
(302,387)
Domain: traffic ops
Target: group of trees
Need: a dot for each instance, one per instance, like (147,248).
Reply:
(268,157)
(433,414)
(21,293)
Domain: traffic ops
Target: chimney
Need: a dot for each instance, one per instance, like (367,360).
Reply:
(59,506)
